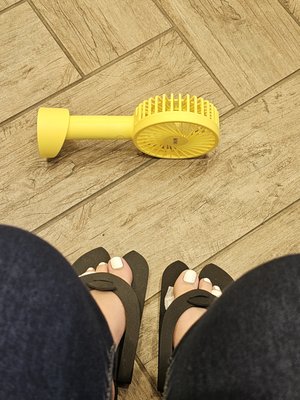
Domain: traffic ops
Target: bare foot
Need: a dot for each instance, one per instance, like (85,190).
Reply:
(188,280)
(108,302)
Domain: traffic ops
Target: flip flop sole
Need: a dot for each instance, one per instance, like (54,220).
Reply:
(140,271)
(132,297)
(216,275)
(91,259)
(169,277)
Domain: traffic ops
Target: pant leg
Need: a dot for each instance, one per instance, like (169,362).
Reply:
(247,345)
(54,342)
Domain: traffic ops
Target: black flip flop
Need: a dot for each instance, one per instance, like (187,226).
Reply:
(132,298)
(193,298)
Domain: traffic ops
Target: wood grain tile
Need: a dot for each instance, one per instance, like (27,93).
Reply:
(140,388)
(96,32)
(34,191)
(249,45)
(6,3)
(293,6)
(220,208)
(148,341)
(151,368)
(191,209)
(276,238)
(32,65)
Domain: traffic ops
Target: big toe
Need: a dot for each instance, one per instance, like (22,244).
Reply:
(186,281)
(118,266)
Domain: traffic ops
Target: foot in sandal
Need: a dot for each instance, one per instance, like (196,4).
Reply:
(185,296)
(108,302)
(118,286)
(189,280)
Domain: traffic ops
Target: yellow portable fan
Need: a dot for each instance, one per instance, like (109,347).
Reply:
(162,126)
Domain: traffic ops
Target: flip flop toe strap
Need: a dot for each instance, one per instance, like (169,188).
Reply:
(102,284)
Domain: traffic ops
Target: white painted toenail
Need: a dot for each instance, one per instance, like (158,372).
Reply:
(216,291)
(190,276)
(207,280)
(102,263)
(116,263)
(89,271)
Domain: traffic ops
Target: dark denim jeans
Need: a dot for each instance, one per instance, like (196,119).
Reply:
(55,344)
(247,345)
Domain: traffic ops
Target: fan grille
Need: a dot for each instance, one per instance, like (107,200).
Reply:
(193,104)
(176,140)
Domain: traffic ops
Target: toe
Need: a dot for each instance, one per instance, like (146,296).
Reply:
(119,267)
(187,280)
(102,267)
(216,291)
(205,284)
(90,270)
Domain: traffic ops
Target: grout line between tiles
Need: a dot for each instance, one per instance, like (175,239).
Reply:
(226,248)
(129,53)
(84,78)
(147,375)
(289,12)
(95,195)
(83,75)
(40,102)
(148,163)
(73,84)
(259,95)
(205,65)
(8,8)
(266,221)
(207,68)
(164,13)
(196,54)
(55,37)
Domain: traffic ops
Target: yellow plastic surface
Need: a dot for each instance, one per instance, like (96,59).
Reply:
(100,127)
(162,126)
(52,128)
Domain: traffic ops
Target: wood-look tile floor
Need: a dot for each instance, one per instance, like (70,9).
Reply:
(237,207)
